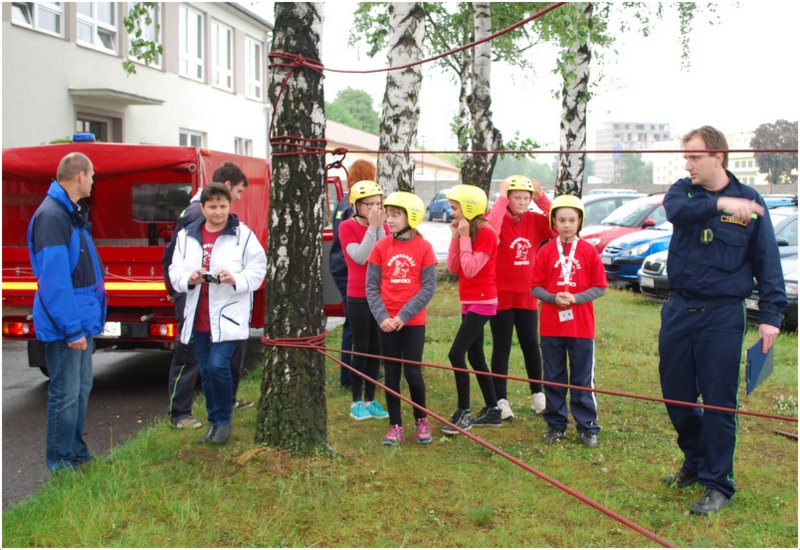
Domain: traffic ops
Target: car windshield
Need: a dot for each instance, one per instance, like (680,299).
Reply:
(628,215)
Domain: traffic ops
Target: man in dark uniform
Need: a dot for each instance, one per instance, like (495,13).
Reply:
(722,238)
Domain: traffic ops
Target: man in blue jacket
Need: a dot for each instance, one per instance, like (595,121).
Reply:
(70,305)
(722,238)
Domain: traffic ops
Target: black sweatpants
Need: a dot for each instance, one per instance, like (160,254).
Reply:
(469,344)
(526,322)
(365,340)
(406,343)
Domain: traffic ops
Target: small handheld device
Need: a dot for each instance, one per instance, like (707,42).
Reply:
(210,278)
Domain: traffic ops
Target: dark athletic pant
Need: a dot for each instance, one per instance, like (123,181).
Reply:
(700,356)
(365,340)
(526,322)
(580,351)
(184,370)
(469,343)
(407,343)
(347,336)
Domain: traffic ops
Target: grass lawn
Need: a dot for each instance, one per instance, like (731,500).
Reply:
(164,489)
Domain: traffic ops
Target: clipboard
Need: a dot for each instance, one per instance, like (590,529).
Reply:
(759,365)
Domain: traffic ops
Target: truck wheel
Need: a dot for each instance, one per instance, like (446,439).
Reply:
(36,356)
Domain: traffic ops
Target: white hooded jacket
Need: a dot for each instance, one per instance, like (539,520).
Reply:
(237,250)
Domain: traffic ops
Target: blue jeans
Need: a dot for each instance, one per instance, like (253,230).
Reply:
(67,400)
(215,376)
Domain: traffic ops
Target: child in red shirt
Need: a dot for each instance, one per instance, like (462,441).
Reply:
(358,236)
(473,256)
(567,276)
(401,280)
(521,234)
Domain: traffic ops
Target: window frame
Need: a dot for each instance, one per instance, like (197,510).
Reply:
(254,86)
(36,7)
(219,71)
(184,56)
(97,26)
(147,30)
(189,135)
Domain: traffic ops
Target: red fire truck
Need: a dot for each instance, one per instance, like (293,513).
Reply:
(138,194)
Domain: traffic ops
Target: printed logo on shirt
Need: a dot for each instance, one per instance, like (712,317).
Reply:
(559,266)
(400,264)
(521,246)
(207,254)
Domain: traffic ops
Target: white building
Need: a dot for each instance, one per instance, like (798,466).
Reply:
(62,73)
(624,136)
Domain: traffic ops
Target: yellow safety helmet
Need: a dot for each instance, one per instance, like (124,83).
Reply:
(412,204)
(566,201)
(472,199)
(363,189)
(519,183)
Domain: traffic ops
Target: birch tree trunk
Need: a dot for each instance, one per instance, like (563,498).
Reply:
(478,168)
(291,411)
(400,112)
(576,60)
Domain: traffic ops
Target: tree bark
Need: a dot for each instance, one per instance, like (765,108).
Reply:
(576,60)
(400,112)
(478,168)
(291,411)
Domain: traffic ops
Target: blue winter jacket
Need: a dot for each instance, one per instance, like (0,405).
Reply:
(70,302)
(721,271)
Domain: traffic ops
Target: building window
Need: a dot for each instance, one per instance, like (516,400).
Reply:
(190,56)
(105,128)
(221,56)
(43,16)
(243,146)
(96,25)
(150,32)
(192,138)
(254,85)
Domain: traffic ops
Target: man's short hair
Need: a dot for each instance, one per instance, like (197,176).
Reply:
(71,165)
(714,140)
(228,171)
(213,190)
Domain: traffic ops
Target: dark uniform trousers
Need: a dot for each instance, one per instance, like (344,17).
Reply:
(701,351)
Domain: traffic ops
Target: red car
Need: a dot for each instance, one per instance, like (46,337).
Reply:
(632,216)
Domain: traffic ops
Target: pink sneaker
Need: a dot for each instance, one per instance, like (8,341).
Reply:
(394,436)
(424,432)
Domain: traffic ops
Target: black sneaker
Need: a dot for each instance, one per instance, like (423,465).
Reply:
(552,435)
(221,434)
(489,416)
(589,439)
(712,501)
(209,434)
(461,419)
(682,478)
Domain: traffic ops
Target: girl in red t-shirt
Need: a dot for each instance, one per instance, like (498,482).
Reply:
(567,276)
(522,232)
(401,280)
(358,236)
(472,255)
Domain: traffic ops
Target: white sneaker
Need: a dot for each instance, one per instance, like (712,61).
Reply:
(538,402)
(505,409)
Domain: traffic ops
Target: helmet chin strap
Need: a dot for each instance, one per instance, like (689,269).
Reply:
(402,231)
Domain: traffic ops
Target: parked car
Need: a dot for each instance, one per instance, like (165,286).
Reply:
(623,257)
(439,208)
(610,191)
(597,206)
(789,315)
(780,200)
(533,207)
(653,281)
(784,220)
(635,215)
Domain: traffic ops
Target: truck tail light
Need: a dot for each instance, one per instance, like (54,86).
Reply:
(18,329)
(163,330)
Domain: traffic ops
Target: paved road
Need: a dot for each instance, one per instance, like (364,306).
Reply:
(438,234)
(129,392)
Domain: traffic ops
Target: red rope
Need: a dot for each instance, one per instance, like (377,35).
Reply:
(572,492)
(581,388)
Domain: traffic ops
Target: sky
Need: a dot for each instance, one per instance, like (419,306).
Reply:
(742,73)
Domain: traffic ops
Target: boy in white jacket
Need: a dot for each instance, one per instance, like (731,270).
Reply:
(218,262)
